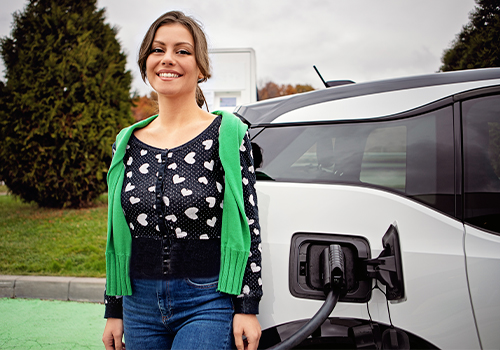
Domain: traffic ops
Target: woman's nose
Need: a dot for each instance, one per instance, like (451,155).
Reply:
(167,59)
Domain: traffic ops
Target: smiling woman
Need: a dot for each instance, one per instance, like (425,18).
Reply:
(183,270)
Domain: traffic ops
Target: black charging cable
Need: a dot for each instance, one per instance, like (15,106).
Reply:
(333,262)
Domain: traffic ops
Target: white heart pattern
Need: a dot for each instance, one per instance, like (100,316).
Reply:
(171,218)
(211,222)
(209,165)
(166,200)
(157,228)
(177,179)
(204,236)
(203,180)
(179,233)
(256,231)
(134,200)
(245,181)
(158,156)
(185,192)
(129,187)
(189,158)
(129,161)
(152,189)
(251,169)
(254,267)
(208,144)
(250,199)
(141,219)
(219,186)
(246,289)
(172,166)
(260,247)
(259,281)
(242,148)
(131,226)
(169,155)
(144,168)
(129,174)
(251,221)
(211,201)
(143,152)
(191,213)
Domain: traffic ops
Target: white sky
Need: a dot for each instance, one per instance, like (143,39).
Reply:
(360,40)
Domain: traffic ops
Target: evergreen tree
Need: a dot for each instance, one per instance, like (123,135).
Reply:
(66,96)
(478,44)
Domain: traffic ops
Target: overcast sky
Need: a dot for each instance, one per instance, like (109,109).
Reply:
(360,40)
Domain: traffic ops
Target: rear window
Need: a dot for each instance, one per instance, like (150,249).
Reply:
(481,128)
(411,156)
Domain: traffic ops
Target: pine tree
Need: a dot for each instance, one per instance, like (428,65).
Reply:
(66,96)
(478,44)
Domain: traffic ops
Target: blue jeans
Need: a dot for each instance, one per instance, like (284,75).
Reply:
(178,314)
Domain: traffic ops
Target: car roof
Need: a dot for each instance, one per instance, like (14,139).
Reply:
(366,100)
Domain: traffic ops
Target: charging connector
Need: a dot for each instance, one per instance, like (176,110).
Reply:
(333,265)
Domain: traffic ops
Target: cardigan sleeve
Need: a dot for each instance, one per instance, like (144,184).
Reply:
(113,304)
(248,301)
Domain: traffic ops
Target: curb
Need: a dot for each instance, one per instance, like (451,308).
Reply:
(53,288)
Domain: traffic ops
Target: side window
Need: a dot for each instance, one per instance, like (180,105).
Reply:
(481,143)
(384,158)
(412,156)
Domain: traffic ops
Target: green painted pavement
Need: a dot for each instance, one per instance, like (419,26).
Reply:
(46,324)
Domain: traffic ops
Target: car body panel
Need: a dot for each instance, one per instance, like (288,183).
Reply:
(433,259)
(483,263)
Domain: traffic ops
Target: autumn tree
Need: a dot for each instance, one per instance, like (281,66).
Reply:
(65,98)
(270,90)
(145,106)
(478,44)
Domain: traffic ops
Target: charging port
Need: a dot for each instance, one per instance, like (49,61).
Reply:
(307,266)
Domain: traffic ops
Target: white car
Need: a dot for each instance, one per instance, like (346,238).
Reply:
(406,170)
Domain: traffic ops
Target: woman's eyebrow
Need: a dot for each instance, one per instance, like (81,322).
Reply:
(159,42)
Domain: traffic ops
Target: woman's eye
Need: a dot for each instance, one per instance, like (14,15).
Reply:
(184,52)
(156,50)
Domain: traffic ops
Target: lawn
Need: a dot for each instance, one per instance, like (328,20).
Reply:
(57,242)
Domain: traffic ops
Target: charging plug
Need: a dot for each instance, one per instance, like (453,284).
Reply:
(332,263)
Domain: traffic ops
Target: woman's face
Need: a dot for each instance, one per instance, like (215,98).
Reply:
(171,66)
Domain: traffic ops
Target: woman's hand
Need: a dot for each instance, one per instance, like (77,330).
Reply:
(248,326)
(113,334)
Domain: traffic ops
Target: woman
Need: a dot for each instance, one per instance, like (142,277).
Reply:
(183,234)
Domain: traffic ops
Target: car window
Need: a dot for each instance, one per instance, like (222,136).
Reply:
(411,156)
(481,128)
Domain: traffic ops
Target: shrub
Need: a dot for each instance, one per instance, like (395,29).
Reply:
(65,98)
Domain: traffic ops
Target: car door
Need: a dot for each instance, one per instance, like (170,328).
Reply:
(481,144)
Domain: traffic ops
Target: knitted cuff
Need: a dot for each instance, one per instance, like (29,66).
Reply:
(232,268)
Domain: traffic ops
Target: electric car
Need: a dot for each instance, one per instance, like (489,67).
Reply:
(401,178)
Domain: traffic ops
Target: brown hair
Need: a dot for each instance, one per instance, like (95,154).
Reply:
(200,46)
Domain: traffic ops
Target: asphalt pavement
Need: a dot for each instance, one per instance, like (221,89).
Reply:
(51,312)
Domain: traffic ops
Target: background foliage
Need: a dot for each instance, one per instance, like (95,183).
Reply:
(478,44)
(271,89)
(65,98)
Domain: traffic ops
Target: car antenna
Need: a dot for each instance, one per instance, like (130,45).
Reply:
(323,80)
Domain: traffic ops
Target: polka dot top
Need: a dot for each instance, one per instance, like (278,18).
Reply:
(173,201)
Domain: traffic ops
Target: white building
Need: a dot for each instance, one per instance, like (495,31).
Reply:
(233,80)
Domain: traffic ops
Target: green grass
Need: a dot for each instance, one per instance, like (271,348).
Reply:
(56,242)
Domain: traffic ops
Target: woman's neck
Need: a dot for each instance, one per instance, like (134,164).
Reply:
(178,111)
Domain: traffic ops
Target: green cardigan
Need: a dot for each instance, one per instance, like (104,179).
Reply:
(235,233)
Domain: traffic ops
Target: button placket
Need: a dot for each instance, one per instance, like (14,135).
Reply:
(160,209)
